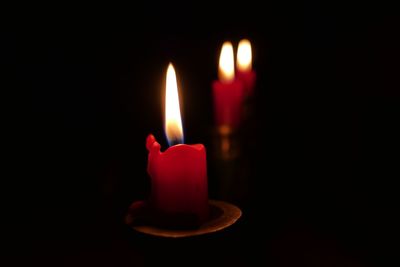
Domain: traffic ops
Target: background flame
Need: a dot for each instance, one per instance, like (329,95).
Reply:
(226,69)
(244,56)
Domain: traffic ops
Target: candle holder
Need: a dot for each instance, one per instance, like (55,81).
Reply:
(226,143)
(222,215)
(229,167)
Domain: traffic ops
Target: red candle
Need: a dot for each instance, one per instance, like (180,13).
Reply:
(228,92)
(179,174)
(243,66)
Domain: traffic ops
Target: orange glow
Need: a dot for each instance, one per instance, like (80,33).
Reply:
(226,70)
(244,57)
(173,121)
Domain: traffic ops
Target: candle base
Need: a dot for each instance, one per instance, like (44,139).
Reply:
(222,215)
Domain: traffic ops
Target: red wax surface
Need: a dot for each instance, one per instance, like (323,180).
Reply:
(178,179)
(228,101)
(248,79)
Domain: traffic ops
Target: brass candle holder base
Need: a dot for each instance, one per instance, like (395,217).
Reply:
(222,215)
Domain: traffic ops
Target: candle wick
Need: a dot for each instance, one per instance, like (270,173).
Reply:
(173,142)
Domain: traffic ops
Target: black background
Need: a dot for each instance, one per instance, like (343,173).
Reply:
(322,151)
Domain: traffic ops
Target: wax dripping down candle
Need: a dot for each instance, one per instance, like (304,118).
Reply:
(244,70)
(179,174)
(227,91)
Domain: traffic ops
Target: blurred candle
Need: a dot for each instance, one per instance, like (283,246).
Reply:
(243,66)
(178,175)
(227,91)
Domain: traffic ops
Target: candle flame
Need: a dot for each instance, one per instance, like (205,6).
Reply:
(226,69)
(173,121)
(244,57)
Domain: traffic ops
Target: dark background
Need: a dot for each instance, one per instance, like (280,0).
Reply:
(321,150)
